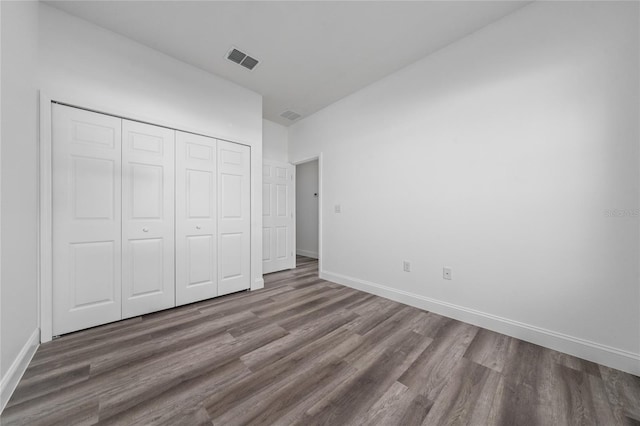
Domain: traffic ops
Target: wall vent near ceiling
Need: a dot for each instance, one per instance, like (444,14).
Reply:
(241,58)
(290,115)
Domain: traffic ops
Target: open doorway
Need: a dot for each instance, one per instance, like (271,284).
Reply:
(307,212)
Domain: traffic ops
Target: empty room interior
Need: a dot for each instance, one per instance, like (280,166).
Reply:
(320,213)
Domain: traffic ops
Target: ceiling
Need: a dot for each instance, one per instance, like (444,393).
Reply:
(312,53)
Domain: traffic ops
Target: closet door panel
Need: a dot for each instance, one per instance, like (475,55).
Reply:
(234,220)
(196,230)
(86,219)
(146,267)
(148,282)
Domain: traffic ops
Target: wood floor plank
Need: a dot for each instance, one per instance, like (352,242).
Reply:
(585,395)
(389,409)
(295,414)
(77,411)
(159,344)
(266,407)
(417,410)
(338,302)
(429,324)
(304,351)
(283,309)
(188,366)
(623,393)
(468,396)
(182,398)
(349,402)
(523,385)
(491,349)
(268,354)
(331,346)
(430,373)
(113,341)
(120,383)
(57,379)
(371,321)
(577,364)
(193,417)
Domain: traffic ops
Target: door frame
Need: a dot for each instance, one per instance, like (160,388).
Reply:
(320,202)
(45,195)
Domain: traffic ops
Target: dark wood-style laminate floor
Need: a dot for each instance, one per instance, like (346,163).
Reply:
(306,351)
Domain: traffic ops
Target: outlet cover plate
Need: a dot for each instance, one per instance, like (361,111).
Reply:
(446,273)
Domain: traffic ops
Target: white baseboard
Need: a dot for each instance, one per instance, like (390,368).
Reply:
(581,348)
(307,253)
(14,373)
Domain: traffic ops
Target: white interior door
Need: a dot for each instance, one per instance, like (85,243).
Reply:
(86,219)
(277,216)
(148,281)
(234,219)
(196,234)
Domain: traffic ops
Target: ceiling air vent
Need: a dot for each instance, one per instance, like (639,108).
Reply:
(242,58)
(290,115)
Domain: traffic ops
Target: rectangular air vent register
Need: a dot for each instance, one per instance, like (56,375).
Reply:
(290,115)
(241,58)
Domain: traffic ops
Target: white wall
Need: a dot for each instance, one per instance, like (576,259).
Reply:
(498,156)
(1,373)
(307,209)
(81,60)
(18,279)
(275,144)
(88,66)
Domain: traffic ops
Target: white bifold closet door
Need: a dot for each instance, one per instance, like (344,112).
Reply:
(196,233)
(147,218)
(234,219)
(86,219)
(144,218)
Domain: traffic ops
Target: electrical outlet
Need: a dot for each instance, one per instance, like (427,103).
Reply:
(446,273)
(337,208)
(406,266)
